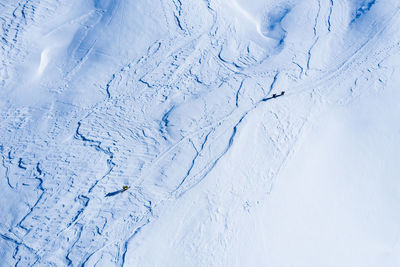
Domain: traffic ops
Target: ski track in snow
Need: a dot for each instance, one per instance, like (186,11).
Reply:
(162,118)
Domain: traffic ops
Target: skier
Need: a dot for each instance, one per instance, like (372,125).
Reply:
(124,188)
(273,96)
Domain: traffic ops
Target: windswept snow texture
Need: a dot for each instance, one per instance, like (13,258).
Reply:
(173,98)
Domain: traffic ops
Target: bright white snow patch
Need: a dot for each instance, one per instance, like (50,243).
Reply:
(44,60)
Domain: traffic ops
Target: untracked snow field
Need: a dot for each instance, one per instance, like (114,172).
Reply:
(175,99)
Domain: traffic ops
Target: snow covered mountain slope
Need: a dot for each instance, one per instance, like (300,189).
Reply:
(334,202)
(174,99)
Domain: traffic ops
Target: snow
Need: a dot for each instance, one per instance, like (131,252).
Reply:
(173,98)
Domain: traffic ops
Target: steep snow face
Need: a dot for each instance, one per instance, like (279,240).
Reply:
(333,203)
(174,99)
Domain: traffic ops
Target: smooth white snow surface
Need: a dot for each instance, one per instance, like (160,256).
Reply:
(173,98)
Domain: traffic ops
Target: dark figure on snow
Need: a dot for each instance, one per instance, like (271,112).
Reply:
(275,95)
